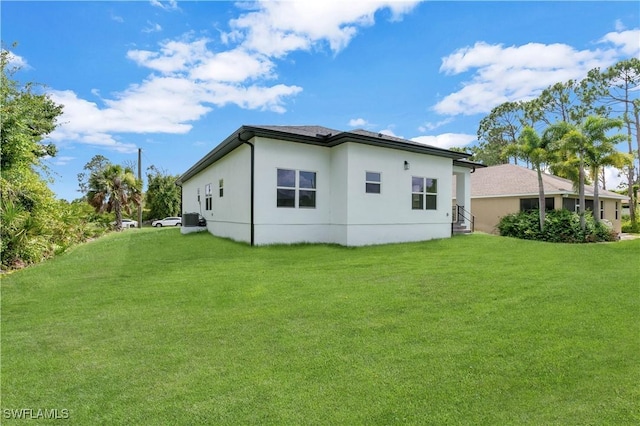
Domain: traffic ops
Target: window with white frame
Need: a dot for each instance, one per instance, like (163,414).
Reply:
(601,209)
(617,213)
(296,188)
(373,182)
(208,197)
(221,188)
(424,193)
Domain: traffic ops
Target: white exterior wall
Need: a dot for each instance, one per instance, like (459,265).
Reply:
(388,217)
(345,214)
(230,216)
(339,194)
(291,225)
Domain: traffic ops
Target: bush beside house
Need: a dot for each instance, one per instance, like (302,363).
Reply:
(561,226)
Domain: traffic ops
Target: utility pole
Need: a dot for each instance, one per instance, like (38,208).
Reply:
(141,194)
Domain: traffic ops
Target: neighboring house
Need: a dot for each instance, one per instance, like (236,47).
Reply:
(499,190)
(289,184)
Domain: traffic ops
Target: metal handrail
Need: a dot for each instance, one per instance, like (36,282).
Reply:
(460,212)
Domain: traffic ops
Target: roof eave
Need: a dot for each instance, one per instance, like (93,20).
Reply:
(236,139)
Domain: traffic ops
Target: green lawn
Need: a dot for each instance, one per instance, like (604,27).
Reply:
(153,327)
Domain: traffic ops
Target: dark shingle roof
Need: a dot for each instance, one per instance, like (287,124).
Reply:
(323,136)
(311,131)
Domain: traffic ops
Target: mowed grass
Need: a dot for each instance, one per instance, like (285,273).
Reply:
(154,327)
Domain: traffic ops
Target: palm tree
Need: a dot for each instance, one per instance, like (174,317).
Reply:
(603,152)
(114,188)
(532,148)
(578,143)
(572,142)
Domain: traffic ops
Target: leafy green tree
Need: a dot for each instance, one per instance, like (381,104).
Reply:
(27,118)
(619,89)
(27,205)
(163,196)
(564,102)
(498,130)
(535,150)
(113,189)
(96,164)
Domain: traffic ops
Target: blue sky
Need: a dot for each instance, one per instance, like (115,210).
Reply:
(175,78)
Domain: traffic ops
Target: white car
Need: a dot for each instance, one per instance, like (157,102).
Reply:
(167,221)
(127,223)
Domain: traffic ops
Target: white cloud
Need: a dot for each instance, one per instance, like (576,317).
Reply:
(165,5)
(16,61)
(62,160)
(152,27)
(234,66)
(173,56)
(432,126)
(358,122)
(158,105)
(514,73)
(188,77)
(627,41)
(277,28)
(613,178)
(446,140)
(251,97)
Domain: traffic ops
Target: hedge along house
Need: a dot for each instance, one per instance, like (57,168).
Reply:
(507,188)
(290,184)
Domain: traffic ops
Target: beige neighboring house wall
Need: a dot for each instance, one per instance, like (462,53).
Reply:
(497,190)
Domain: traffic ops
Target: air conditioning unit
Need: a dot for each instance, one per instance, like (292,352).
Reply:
(190,219)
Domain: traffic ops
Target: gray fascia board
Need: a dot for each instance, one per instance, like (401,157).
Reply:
(468,164)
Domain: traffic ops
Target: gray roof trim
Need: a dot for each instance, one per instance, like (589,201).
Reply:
(468,164)
(319,136)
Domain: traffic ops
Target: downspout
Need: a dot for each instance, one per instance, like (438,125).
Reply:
(253,162)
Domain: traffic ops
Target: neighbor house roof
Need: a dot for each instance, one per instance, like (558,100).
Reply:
(509,180)
(321,136)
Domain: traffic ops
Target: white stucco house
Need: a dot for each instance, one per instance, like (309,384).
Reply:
(289,184)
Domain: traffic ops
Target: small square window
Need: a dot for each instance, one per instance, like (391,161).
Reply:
(287,178)
(286,197)
(373,182)
(307,180)
(307,199)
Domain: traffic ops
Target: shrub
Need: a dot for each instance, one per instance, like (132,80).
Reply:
(628,227)
(561,226)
